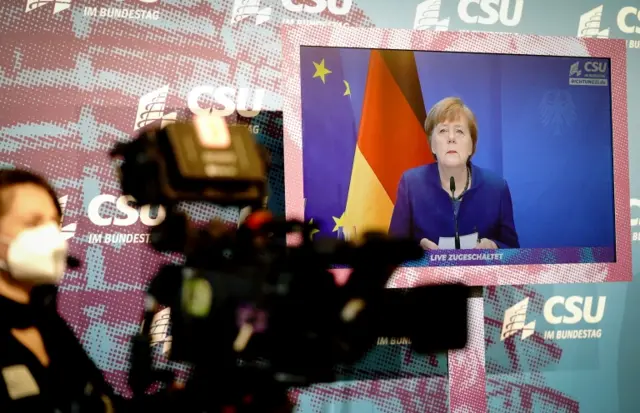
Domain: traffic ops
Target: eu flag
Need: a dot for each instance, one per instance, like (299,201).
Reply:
(328,137)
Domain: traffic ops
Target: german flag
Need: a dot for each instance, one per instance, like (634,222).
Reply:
(391,140)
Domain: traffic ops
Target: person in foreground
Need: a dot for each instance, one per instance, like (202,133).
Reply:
(43,366)
(425,207)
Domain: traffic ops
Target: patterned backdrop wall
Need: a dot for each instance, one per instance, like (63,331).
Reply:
(78,75)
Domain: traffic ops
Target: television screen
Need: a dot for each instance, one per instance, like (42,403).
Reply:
(482,159)
(504,156)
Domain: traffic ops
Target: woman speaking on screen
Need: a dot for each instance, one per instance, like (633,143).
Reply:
(435,199)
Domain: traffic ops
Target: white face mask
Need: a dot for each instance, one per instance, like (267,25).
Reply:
(37,255)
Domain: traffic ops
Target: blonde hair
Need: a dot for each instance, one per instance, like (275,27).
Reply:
(450,109)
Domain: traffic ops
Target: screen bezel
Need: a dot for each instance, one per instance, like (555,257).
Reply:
(470,42)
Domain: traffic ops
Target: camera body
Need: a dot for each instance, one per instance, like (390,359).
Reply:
(253,313)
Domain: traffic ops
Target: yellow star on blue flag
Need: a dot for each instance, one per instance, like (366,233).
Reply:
(321,70)
(313,231)
(339,222)
(347,91)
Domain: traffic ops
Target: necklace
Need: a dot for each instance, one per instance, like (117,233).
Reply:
(466,186)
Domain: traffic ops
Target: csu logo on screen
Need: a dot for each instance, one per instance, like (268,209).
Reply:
(126,215)
(488,12)
(592,68)
(557,310)
(201,100)
(596,67)
(589,73)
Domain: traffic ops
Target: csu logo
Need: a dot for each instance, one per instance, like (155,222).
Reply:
(592,73)
(58,5)
(574,70)
(319,6)
(589,24)
(635,206)
(558,310)
(574,309)
(243,9)
(68,231)
(593,67)
(201,100)
(515,321)
(428,16)
(123,207)
(487,12)
(226,100)
(629,20)
(151,108)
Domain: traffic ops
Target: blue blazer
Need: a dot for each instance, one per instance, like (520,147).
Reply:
(424,210)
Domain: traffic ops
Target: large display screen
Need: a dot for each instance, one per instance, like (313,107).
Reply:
(483,159)
(529,137)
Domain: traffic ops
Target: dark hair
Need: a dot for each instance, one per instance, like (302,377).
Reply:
(11,177)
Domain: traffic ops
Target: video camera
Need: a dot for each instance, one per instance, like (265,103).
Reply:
(256,310)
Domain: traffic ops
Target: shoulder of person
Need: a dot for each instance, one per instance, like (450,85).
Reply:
(490,178)
(419,173)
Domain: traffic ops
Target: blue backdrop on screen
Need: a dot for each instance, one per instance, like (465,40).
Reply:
(550,140)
